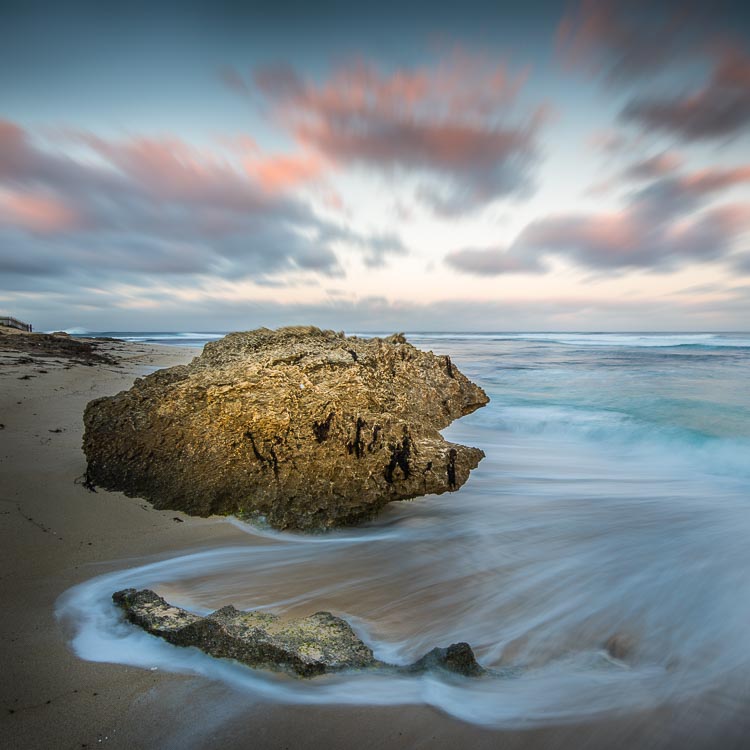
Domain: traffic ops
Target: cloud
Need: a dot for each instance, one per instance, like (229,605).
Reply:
(284,172)
(376,247)
(667,223)
(159,206)
(380,246)
(451,122)
(718,109)
(654,166)
(491,262)
(610,142)
(234,81)
(658,45)
(36,212)
(628,240)
(675,195)
(624,41)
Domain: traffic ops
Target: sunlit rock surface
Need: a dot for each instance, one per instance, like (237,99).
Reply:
(307,646)
(307,428)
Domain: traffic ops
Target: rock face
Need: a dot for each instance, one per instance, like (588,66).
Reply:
(307,428)
(309,646)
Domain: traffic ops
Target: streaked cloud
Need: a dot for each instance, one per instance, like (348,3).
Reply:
(493,262)
(654,166)
(667,223)
(626,40)
(719,108)
(649,46)
(160,206)
(453,122)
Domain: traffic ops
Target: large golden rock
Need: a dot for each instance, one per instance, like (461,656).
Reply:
(307,428)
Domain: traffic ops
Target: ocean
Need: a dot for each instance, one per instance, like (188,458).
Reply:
(614,500)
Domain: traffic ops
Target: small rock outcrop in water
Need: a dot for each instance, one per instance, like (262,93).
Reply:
(619,646)
(307,428)
(458,657)
(309,646)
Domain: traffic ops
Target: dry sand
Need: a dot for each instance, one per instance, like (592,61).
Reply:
(54,534)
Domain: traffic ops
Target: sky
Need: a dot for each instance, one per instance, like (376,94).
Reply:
(557,166)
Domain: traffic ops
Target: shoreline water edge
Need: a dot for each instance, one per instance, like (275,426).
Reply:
(612,502)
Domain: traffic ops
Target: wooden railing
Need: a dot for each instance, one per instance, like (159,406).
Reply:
(14,323)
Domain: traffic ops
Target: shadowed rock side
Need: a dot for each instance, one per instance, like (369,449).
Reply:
(308,646)
(307,428)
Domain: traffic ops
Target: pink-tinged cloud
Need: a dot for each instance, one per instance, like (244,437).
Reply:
(661,165)
(682,194)
(624,40)
(615,235)
(450,121)
(285,172)
(711,180)
(33,212)
(171,170)
(668,223)
(718,109)
(148,205)
(610,242)
(637,42)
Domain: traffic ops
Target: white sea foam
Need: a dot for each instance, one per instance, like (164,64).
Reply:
(613,499)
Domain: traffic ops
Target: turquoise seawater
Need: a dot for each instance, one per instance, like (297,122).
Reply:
(614,499)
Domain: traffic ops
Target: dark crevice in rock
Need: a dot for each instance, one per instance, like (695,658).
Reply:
(357,446)
(274,462)
(400,454)
(321,429)
(271,460)
(375,434)
(452,468)
(256,452)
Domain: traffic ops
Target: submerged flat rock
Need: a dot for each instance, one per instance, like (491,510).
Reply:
(308,646)
(307,428)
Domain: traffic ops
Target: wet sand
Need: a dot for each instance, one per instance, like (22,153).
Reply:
(55,533)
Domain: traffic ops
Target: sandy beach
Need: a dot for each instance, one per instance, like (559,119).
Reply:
(56,533)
